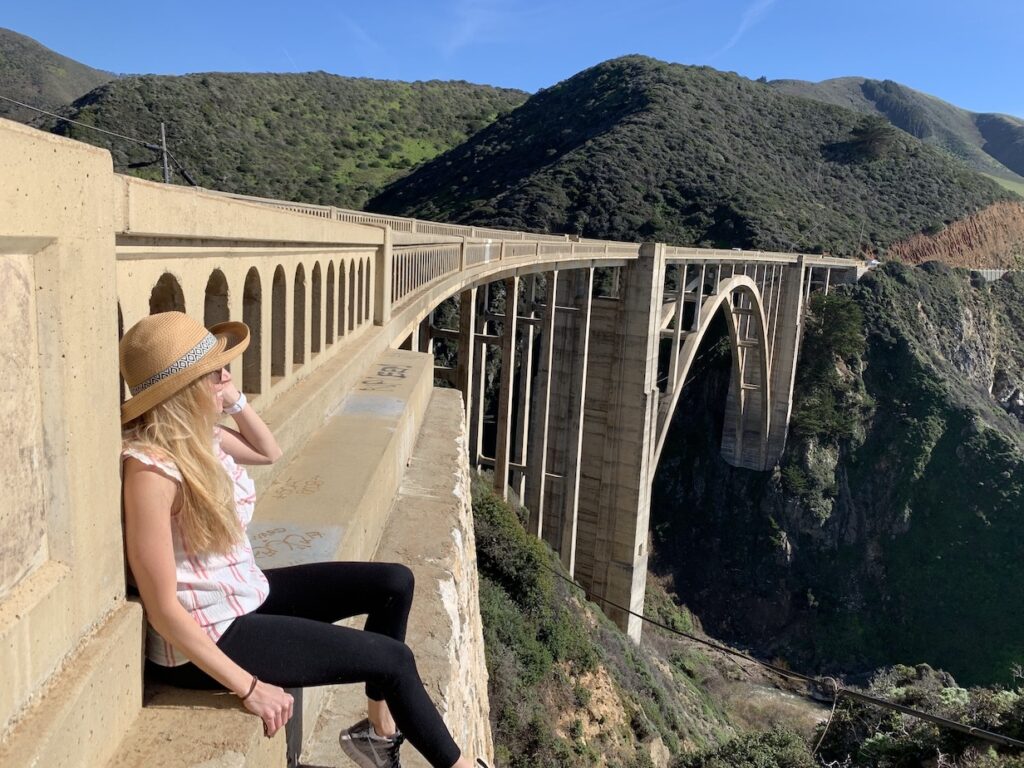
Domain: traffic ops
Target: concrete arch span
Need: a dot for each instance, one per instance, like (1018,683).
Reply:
(406,317)
(748,412)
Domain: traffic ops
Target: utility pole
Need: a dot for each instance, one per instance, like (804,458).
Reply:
(163,148)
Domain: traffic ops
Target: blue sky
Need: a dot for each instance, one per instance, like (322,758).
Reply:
(968,53)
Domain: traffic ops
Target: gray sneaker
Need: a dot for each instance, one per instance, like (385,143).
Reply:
(367,749)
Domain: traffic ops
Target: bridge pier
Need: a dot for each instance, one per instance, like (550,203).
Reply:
(617,462)
(503,442)
(786,332)
(556,435)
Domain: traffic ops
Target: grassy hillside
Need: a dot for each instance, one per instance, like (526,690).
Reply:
(567,689)
(315,137)
(638,149)
(989,143)
(33,74)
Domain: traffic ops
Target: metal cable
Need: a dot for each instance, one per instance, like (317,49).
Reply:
(146,144)
(817,682)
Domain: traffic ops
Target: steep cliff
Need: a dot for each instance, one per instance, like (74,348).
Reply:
(568,689)
(893,527)
(993,238)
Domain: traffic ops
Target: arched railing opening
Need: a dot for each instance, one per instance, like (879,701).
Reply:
(314,314)
(329,312)
(368,292)
(342,301)
(166,295)
(360,313)
(252,297)
(278,324)
(299,317)
(215,304)
(351,295)
(120,332)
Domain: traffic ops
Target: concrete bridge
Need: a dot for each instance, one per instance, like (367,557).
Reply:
(585,345)
(588,379)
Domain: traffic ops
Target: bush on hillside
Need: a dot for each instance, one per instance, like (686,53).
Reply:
(777,748)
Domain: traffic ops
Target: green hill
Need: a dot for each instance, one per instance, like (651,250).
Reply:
(639,149)
(314,137)
(33,74)
(988,143)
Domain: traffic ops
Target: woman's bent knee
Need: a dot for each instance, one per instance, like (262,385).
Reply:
(400,580)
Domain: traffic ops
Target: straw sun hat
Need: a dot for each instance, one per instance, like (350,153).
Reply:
(163,353)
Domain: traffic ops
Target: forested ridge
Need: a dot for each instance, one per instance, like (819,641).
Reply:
(988,142)
(313,138)
(638,149)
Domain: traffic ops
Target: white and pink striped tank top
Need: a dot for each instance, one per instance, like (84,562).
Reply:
(214,589)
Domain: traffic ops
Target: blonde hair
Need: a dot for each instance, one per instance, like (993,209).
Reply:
(180,429)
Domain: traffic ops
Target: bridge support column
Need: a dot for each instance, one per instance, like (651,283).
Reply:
(503,442)
(788,330)
(618,442)
(537,447)
(382,281)
(565,359)
(521,432)
(472,360)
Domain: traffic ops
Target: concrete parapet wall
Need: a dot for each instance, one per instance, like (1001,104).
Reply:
(64,572)
(430,529)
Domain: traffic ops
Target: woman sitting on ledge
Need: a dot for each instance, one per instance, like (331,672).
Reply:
(214,618)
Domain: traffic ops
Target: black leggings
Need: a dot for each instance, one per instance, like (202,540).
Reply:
(290,641)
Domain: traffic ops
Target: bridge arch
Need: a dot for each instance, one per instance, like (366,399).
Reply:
(750,397)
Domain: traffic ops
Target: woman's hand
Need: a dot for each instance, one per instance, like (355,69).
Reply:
(271,704)
(229,392)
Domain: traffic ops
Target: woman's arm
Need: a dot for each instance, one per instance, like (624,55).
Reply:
(149,497)
(253,443)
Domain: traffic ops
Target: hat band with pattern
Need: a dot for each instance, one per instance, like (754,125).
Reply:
(190,358)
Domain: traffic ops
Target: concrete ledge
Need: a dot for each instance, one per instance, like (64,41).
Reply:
(179,728)
(89,704)
(430,529)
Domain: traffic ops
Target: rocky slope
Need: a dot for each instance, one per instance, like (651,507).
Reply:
(990,239)
(892,530)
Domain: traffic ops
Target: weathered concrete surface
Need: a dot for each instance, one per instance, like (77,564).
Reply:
(77,720)
(198,729)
(430,530)
(64,580)
(23,516)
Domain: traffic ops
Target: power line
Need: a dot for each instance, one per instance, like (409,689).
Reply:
(837,690)
(146,144)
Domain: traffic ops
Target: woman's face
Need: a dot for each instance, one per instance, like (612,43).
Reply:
(219,379)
